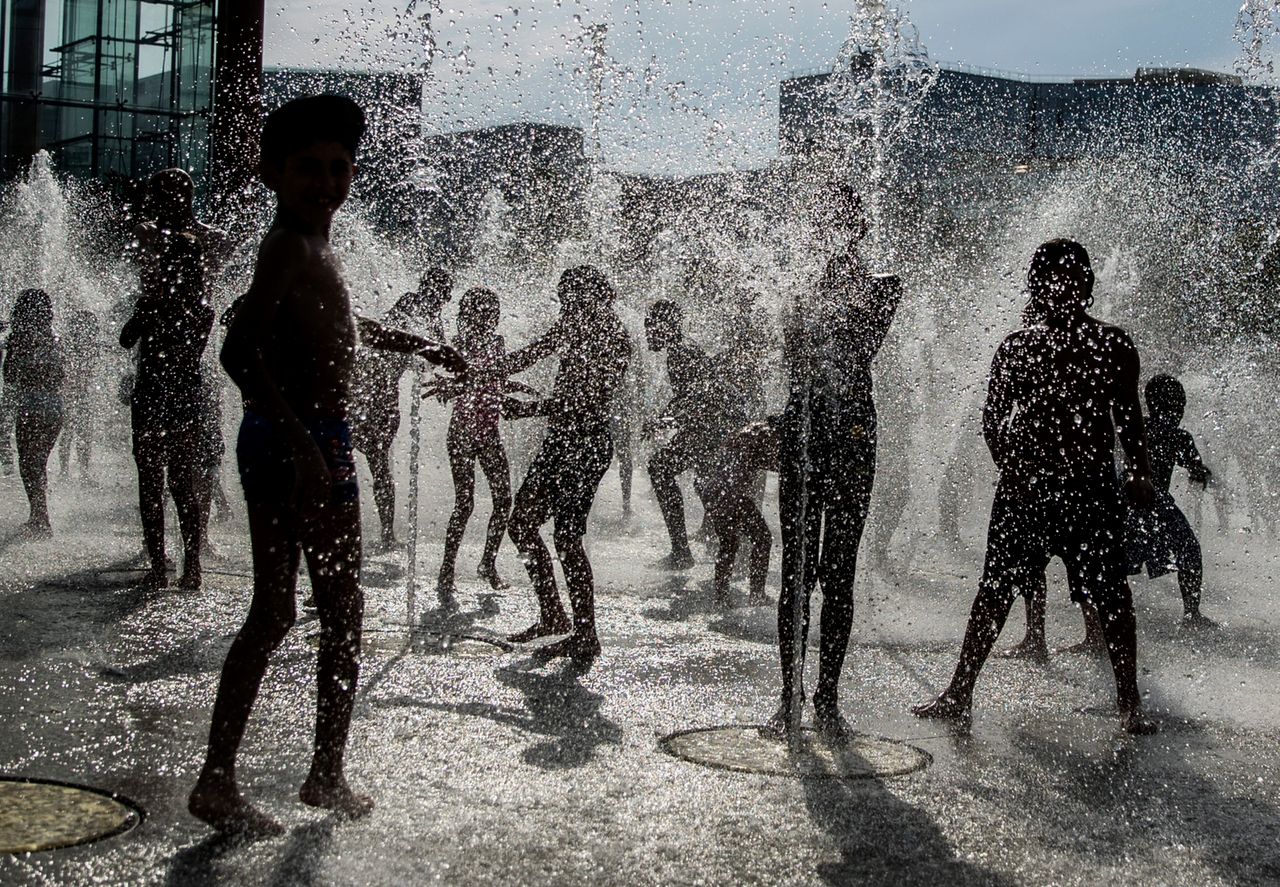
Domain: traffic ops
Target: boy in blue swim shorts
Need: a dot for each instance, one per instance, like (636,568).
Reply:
(290,348)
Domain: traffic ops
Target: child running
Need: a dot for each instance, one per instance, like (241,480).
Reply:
(473,436)
(1060,392)
(290,349)
(1161,537)
(561,483)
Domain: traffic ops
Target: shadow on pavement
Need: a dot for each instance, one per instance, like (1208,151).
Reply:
(882,839)
(556,707)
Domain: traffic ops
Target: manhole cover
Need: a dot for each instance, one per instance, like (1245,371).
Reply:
(427,643)
(753,749)
(42,815)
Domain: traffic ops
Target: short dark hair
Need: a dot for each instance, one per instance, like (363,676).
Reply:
(1062,252)
(665,311)
(300,123)
(1165,395)
(589,283)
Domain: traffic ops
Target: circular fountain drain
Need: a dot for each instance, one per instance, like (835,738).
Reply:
(427,643)
(753,749)
(38,814)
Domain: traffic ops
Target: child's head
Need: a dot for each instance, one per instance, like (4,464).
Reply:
(436,286)
(171,195)
(308,155)
(584,290)
(32,313)
(478,312)
(1060,279)
(662,324)
(1166,398)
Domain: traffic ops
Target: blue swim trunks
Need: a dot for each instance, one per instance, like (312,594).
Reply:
(266,465)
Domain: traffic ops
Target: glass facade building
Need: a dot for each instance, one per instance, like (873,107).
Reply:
(110,88)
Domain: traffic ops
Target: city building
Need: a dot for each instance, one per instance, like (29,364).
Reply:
(537,173)
(110,88)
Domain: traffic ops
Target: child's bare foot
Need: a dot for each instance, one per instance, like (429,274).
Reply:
(677,560)
(489,573)
(155,580)
(540,630)
(447,597)
(1031,650)
(1197,622)
(35,529)
(222,806)
(191,579)
(946,708)
(336,795)
(1136,723)
(581,648)
(1089,646)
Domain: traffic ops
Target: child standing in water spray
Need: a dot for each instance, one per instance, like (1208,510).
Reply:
(1061,390)
(473,436)
(376,395)
(290,348)
(33,377)
(1160,537)
(561,483)
(171,325)
(827,460)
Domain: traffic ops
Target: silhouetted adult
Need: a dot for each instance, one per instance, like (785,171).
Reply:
(827,457)
(1060,391)
(33,377)
(376,393)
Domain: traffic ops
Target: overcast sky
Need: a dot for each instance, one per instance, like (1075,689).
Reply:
(692,84)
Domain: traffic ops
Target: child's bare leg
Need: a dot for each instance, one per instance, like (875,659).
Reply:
(1033,646)
(384,490)
(728,544)
(986,619)
(462,466)
(1094,637)
(497,472)
(583,644)
(216,797)
(184,483)
(151,508)
(1116,619)
(332,542)
(532,506)
(761,538)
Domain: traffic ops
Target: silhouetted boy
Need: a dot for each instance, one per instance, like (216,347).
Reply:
(171,325)
(1160,537)
(697,411)
(1060,391)
(828,459)
(376,392)
(727,486)
(561,483)
(290,349)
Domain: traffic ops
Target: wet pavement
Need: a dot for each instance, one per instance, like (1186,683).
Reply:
(490,768)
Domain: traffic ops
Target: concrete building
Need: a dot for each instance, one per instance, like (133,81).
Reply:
(538,172)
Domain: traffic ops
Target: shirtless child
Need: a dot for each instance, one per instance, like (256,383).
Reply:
(561,483)
(290,349)
(1060,392)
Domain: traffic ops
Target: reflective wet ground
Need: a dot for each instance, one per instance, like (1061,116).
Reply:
(490,768)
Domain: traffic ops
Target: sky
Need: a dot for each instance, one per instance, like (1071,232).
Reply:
(692,85)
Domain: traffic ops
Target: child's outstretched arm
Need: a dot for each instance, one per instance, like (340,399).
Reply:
(386,338)
(522,358)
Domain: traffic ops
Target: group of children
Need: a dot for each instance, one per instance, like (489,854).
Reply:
(315,382)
